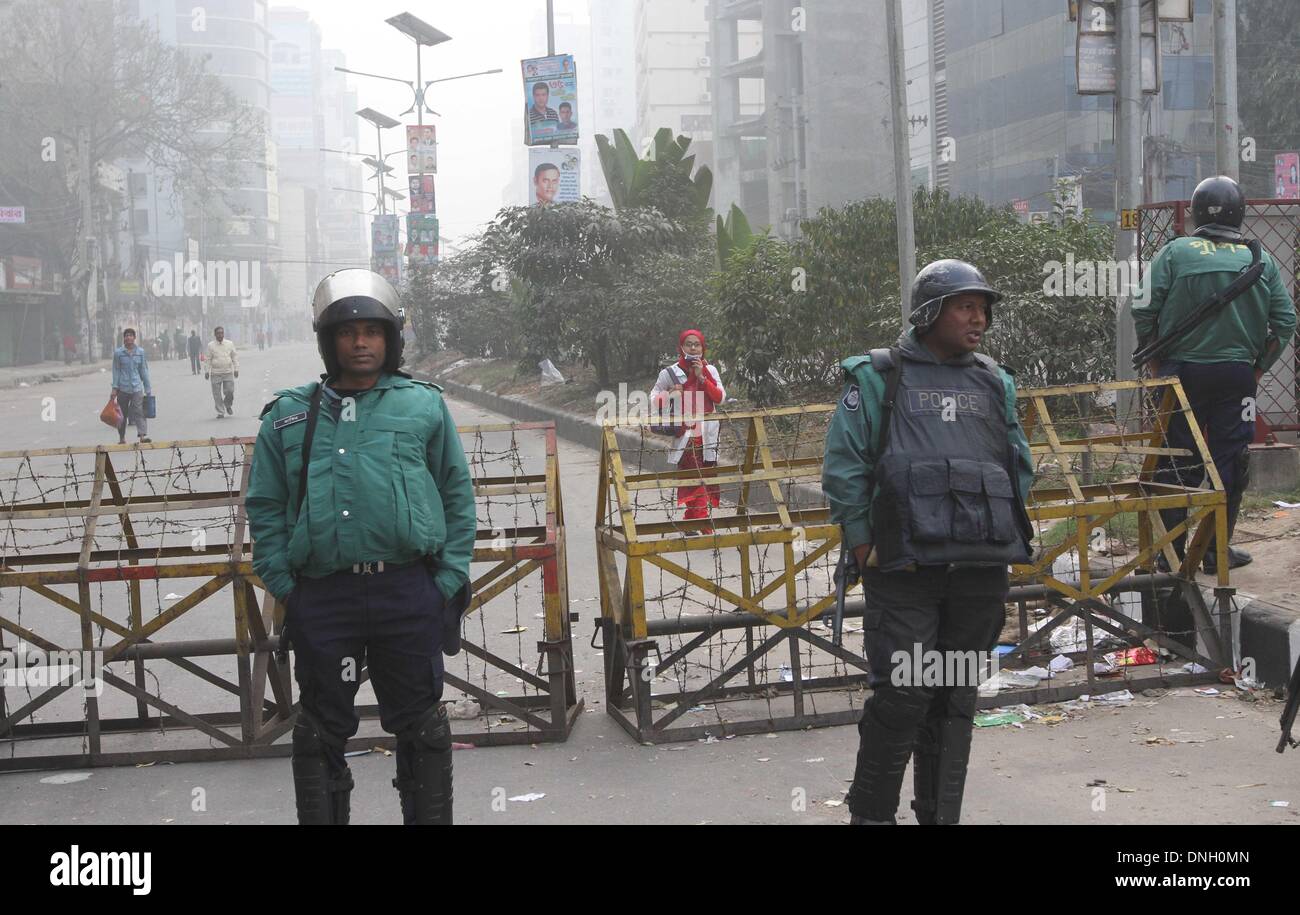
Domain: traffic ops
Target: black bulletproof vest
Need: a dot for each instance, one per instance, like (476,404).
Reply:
(947,491)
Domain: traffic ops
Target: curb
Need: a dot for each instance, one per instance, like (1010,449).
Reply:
(1269,634)
(49,377)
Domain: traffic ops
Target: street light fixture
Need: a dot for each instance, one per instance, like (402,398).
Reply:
(421,31)
(382,122)
(374,163)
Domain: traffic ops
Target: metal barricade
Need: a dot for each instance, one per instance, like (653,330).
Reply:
(87,533)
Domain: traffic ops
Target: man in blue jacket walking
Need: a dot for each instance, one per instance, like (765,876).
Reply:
(131,385)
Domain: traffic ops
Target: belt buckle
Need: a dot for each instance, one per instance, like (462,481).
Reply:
(367,568)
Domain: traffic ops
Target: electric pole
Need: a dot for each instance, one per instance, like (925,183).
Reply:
(902,156)
(89,248)
(1128,175)
(1226,138)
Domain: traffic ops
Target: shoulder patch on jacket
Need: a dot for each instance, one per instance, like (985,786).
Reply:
(268,408)
(428,384)
(852,399)
(851,364)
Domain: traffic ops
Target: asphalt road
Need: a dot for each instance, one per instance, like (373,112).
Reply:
(1176,758)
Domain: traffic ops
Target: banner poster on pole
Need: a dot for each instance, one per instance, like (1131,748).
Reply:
(421,150)
(422,238)
(1286,172)
(422,194)
(550,100)
(383,237)
(554,176)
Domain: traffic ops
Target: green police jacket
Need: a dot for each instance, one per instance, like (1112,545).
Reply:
(853,442)
(1185,273)
(387,482)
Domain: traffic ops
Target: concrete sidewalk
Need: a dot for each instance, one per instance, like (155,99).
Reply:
(47,372)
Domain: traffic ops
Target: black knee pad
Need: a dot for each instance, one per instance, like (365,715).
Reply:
(899,708)
(433,731)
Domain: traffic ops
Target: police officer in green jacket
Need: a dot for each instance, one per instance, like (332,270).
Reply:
(1221,361)
(361,508)
(929,494)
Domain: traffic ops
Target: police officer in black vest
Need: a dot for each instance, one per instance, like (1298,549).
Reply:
(926,470)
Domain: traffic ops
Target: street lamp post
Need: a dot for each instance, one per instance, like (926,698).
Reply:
(382,122)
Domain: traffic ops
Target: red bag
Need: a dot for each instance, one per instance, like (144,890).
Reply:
(111,415)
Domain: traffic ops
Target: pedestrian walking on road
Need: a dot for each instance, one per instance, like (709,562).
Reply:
(223,369)
(692,388)
(195,346)
(164,345)
(361,508)
(131,385)
(1221,361)
(926,471)
(178,343)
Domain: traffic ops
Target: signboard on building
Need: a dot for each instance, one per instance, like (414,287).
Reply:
(421,150)
(1096,55)
(550,100)
(1022,209)
(555,176)
(1286,175)
(14,216)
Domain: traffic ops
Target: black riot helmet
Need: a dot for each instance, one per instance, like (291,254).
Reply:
(356,294)
(1219,208)
(941,279)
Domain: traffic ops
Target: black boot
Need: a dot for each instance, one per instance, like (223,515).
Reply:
(424,771)
(323,797)
(939,770)
(1236,558)
(888,730)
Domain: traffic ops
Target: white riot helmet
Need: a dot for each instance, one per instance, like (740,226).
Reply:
(356,294)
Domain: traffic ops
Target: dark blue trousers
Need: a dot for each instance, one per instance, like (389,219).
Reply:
(391,622)
(1217,392)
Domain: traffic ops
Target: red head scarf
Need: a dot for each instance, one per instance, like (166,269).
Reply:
(692,385)
(681,353)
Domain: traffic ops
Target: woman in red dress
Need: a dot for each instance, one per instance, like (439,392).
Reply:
(695,387)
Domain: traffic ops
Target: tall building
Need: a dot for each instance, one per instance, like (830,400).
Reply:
(822,135)
(297,126)
(611,77)
(241,222)
(344,241)
(1005,77)
(673,77)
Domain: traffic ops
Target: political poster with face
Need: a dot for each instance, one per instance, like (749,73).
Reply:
(550,100)
(421,149)
(422,197)
(555,176)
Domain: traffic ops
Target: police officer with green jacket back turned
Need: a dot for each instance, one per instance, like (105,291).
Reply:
(1220,361)
(929,494)
(362,512)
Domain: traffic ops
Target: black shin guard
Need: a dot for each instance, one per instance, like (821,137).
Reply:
(888,730)
(424,771)
(323,792)
(939,770)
